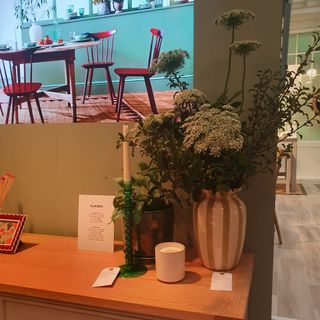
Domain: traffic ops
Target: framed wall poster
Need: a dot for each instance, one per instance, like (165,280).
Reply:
(11,227)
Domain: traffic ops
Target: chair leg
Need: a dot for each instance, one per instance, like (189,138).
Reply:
(14,111)
(150,94)
(8,110)
(110,86)
(120,96)
(85,86)
(38,106)
(276,224)
(30,109)
(90,82)
(1,111)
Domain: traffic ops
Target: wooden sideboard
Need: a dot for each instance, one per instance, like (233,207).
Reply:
(50,279)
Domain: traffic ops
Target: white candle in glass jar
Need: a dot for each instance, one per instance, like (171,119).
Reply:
(170,261)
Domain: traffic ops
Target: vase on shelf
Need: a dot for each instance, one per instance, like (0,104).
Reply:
(103,8)
(35,32)
(118,6)
(219,222)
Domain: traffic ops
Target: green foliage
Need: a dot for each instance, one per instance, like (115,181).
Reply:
(148,193)
(25,10)
(214,146)
(169,63)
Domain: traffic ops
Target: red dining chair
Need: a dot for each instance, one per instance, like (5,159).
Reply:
(16,77)
(100,57)
(123,73)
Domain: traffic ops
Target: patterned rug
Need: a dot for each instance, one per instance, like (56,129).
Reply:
(97,108)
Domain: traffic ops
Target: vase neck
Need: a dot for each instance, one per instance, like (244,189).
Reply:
(217,195)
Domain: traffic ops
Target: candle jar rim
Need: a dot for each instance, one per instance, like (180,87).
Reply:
(176,245)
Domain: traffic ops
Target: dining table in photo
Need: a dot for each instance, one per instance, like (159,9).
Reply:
(63,52)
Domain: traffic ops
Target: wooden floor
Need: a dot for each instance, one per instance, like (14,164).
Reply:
(98,108)
(296,283)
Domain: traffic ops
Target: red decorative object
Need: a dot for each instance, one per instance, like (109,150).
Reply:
(11,227)
(123,73)
(16,76)
(100,57)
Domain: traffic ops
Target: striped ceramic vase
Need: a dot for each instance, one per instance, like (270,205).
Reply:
(219,223)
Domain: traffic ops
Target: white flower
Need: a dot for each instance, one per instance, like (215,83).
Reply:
(213,131)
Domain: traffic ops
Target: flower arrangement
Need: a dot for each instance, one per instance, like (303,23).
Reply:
(215,145)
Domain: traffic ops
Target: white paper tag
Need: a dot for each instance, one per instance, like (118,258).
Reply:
(221,281)
(106,277)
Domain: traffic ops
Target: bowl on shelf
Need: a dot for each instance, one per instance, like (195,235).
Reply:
(72,15)
(3,46)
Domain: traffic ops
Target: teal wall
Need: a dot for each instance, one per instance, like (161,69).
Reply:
(132,43)
(298,44)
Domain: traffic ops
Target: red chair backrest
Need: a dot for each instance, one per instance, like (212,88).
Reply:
(16,68)
(155,46)
(104,51)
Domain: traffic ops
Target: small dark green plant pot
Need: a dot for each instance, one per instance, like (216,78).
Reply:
(155,227)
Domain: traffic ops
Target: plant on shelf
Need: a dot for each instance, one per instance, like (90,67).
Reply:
(118,5)
(151,207)
(103,6)
(31,10)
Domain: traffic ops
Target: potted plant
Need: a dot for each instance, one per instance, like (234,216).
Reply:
(103,6)
(29,11)
(118,5)
(152,209)
(210,149)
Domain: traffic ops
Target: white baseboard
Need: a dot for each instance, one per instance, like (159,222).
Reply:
(282,318)
(308,159)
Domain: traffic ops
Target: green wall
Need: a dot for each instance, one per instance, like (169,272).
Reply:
(132,43)
(298,45)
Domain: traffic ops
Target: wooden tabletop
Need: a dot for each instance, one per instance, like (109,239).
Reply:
(67,46)
(51,268)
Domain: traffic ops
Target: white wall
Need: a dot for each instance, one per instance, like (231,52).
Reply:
(308,160)
(7,22)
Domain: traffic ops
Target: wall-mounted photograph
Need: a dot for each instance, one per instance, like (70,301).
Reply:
(91,60)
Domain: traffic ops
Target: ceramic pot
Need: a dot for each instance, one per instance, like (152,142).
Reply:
(155,227)
(35,32)
(118,6)
(103,8)
(152,4)
(219,223)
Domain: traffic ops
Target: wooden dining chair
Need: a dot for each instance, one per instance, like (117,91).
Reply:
(16,77)
(123,73)
(100,57)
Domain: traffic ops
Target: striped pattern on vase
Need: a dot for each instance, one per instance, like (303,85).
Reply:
(219,223)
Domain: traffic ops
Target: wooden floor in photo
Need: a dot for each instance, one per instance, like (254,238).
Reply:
(296,281)
(97,108)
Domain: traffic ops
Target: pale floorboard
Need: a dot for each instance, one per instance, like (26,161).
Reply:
(296,281)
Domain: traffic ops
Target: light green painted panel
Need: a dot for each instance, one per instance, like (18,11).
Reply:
(304,40)
(132,42)
(292,43)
